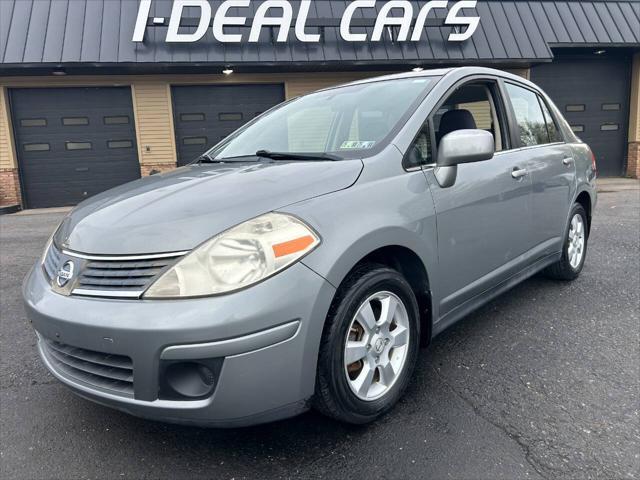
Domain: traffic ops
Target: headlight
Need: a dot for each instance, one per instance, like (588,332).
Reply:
(237,258)
(43,258)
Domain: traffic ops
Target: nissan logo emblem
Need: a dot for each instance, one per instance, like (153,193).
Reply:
(65,274)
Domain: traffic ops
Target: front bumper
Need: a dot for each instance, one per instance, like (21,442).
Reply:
(266,339)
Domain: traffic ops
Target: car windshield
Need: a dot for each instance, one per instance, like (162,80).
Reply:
(345,122)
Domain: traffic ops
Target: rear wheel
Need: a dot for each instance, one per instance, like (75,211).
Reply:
(574,251)
(369,346)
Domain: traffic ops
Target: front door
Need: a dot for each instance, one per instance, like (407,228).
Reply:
(484,219)
(484,227)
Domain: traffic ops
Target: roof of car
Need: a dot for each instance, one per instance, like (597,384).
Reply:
(436,72)
(439,72)
(459,72)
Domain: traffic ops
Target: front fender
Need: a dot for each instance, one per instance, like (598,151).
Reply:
(393,211)
(345,257)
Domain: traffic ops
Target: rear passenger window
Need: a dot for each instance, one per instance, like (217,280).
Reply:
(531,122)
(552,129)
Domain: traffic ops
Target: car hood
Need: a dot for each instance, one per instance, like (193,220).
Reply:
(179,210)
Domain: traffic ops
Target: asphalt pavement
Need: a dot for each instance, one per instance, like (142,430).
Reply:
(543,382)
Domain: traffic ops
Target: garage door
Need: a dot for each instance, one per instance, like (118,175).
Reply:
(73,143)
(594,97)
(205,114)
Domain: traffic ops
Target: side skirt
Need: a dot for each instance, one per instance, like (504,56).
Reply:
(476,302)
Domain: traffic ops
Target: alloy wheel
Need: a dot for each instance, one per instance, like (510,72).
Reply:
(575,250)
(376,346)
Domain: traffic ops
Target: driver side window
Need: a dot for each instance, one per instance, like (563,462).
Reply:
(472,106)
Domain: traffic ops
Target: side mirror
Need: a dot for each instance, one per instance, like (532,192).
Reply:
(465,146)
(461,146)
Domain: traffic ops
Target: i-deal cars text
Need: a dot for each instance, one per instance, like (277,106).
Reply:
(302,261)
(280,14)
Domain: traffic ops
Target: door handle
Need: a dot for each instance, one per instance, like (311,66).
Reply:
(567,161)
(519,173)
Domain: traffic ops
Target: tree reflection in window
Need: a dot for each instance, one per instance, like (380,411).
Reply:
(531,122)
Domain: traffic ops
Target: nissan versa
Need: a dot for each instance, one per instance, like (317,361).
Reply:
(303,260)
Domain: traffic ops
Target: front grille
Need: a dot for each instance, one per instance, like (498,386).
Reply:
(52,262)
(113,373)
(125,276)
(119,276)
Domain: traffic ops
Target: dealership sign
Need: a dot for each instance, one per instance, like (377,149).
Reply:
(406,17)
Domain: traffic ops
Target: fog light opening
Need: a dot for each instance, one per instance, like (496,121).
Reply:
(190,379)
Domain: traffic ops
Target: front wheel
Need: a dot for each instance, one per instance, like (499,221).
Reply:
(369,346)
(574,251)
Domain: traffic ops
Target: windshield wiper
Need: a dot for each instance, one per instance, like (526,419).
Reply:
(295,156)
(205,158)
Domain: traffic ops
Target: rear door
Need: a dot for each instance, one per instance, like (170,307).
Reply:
(549,163)
(206,114)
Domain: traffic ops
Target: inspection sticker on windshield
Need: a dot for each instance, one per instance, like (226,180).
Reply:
(356,145)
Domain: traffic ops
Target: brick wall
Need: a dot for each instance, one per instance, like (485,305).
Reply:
(633,160)
(633,153)
(9,187)
(147,169)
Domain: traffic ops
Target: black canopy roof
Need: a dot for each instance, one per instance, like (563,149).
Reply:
(95,33)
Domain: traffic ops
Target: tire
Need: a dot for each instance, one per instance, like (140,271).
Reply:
(568,268)
(338,391)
